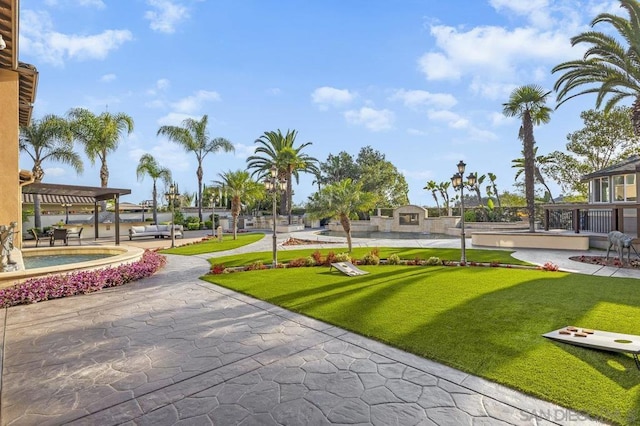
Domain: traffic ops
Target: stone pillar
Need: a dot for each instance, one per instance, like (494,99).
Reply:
(11,205)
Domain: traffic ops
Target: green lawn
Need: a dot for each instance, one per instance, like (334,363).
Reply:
(480,256)
(486,321)
(214,245)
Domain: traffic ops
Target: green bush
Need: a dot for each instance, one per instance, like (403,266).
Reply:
(433,260)
(193,226)
(343,257)
(470,216)
(393,259)
(310,261)
(207,224)
(370,259)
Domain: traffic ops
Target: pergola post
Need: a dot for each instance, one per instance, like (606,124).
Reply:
(96,222)
(547,218)
(117,230)
(576,220)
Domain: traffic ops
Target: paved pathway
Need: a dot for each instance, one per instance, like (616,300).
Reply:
(171,349)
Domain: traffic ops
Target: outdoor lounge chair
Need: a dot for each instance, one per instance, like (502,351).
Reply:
(59,234)
(75,233)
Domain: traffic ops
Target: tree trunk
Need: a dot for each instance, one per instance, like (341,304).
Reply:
(235,212)
(346,225)
(200,174)
(529,168)
(104,180)
(37,221)
(289,195)
(155,203)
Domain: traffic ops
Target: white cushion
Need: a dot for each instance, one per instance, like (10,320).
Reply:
(151,228)
(137,229)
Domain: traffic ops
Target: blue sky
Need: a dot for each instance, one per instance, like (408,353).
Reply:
(422,81)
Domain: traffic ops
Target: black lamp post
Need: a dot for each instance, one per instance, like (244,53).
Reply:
(459,183)
(172,196)
(273,185)
(144,204)
(66,211)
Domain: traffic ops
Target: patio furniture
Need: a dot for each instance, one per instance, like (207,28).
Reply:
(59,234)
(596,339)
(75,233)
(35,235)
(348,268)
(155,231)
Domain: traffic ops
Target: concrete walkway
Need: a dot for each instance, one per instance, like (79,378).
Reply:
(171,349)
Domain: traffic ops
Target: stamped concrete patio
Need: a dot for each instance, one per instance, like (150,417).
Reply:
(172,349)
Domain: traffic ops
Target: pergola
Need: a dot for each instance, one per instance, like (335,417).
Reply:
(96,193)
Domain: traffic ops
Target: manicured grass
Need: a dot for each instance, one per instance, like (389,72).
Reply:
(486,321)
(480,256)
(214,245)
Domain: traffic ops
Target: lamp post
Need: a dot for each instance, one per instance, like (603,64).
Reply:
(66,211)
(172,196)
(213,198)
(458,183)
(273,185)
(144,205)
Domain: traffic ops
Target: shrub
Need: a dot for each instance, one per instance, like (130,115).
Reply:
(370,259)
(433,260)
(80,282)
(310,261)
(297,263)
(208,224)
(393,259)
(375,251)
(317,257)
(218,268)
(549,266)
(191,226)
(257,265)
(343,257)
(331,258)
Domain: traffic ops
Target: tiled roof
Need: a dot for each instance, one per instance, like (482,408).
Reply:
(59,199)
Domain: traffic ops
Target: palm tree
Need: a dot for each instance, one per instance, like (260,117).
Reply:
(149,166)
(443,188)
(492,189)
(608,67)
(242,190)
(528,104)
(279,150)
(193,136)
(540,161)
(100,135)
(49,138)
(341,200)
(433,187)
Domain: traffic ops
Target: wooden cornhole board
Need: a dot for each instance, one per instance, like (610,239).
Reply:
(348,268)
(597,339)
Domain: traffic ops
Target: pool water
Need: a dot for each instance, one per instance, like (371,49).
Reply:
(392,235)
(45,261)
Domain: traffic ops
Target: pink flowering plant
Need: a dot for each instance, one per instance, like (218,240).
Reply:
(80,282)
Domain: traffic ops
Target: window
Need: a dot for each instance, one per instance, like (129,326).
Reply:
(624,187)
(600,190)
(409,219)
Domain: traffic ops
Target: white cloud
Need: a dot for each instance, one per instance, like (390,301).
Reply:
(194,102)
(417,132)
(163,84)
(55,171)
(415,98)
(108,78)
(156,103)
(275,91)
(452,119)
(166,153)
(326,96)
(421,175)
(166,15)
(372,119)
(491,89)
(243,151)
(175,119)
(38,38)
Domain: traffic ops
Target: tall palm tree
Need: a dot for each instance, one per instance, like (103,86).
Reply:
(279,150)
(528,104)
(608,67)
(242,190)
(341,200)
(147,165)
(100,135)
(433,187)
(193,136)
(492,188)
(49,138)
(540,162)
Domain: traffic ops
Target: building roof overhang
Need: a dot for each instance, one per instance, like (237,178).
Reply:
(27,74)
(630,165)
(96,193)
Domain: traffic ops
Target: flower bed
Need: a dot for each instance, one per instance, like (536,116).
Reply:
(81,282)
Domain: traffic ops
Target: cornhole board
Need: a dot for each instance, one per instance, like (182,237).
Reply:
(348,268)
(597,339)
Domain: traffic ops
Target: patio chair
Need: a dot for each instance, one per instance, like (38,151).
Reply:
(35,235)
(75,233)
(59,234)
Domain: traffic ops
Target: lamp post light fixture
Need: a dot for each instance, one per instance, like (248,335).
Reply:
(214,198)
(66,211)
(274,185)
(172,196)
(457,180)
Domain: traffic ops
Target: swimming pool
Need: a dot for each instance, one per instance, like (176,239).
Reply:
(44,261)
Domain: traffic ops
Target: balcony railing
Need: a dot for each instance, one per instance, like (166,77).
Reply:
(598,218)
